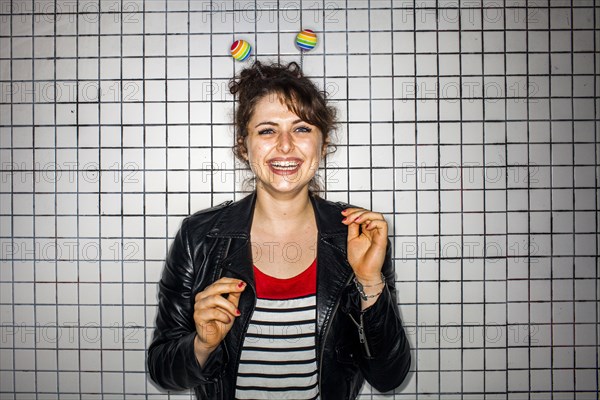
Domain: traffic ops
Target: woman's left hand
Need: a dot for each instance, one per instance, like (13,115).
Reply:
(367,245)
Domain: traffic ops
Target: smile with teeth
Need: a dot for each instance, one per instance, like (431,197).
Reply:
(285,165)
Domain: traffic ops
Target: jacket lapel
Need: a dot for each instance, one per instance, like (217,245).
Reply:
(234,228)
(333,270)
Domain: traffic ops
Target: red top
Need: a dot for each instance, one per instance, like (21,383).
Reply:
(301,285)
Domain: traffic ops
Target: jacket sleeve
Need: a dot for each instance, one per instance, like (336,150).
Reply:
(172,363)
(385,359)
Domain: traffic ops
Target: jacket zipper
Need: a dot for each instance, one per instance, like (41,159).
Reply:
(335,307)
(361,333)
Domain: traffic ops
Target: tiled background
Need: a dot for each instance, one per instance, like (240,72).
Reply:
(471,124)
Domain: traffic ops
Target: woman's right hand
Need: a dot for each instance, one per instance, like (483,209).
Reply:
(215,309)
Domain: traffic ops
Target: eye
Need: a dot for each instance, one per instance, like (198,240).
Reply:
(265,131)
(305,129)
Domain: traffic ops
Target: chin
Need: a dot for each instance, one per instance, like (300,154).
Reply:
(282,186)
(284,182)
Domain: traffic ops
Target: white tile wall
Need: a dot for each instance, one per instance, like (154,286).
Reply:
(472,125)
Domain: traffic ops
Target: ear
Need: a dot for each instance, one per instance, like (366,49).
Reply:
(242,142)
(324,148)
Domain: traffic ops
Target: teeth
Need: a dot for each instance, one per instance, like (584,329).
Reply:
(285,164)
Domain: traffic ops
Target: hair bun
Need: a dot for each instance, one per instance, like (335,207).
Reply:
(246,81)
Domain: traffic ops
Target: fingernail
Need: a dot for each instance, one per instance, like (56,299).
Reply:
(241,285)
(344,211)
(345,219)
(238,312)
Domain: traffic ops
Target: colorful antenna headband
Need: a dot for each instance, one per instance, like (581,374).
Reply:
(306,40)
(240,50)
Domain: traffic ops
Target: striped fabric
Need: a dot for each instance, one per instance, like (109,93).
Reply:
(278,358)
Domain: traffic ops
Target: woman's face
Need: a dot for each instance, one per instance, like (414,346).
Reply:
(283,151)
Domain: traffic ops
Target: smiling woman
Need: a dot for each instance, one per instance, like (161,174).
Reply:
(282,150)
(311,324)
(282,92)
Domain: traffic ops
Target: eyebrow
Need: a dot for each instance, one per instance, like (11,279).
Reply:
(276,124)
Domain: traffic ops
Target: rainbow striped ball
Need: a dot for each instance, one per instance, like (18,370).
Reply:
(306,40)
(240,50)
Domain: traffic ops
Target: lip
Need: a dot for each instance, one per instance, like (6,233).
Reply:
(278,171)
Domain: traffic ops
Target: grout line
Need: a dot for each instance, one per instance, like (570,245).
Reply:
(122,220)
(77,213)
(347,120)
(211,108)
(416,142)
(527,105)
(12,206)
(393,126)
(439,199)
(144,191)
(596,202)
(551,208)
(100,206)
(33,189)
(573,242)
(56,274)
(485,212)
(189,112)
(462,205)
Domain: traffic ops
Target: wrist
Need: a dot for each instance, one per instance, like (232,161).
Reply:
(371,279)
(369,288)
(200,347)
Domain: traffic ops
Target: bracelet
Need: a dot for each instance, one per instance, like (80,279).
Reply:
(361,291)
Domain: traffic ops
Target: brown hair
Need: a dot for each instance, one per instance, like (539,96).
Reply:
(296,91)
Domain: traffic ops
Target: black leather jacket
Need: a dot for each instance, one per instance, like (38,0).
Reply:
(351,345)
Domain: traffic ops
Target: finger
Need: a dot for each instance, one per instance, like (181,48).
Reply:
(234,298)
(371,224)
(226,279)
(217,301)
(364,216)
(378,225)
(360,216)
(351,214)
(222,287)
(377,231)
(350,210)
(353,231)
(212,314)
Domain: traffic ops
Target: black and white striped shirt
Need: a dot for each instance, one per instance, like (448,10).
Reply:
(278,358)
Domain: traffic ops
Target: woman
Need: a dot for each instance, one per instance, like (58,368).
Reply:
(281,294)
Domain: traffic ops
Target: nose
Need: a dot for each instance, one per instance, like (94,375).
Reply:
(285,142)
